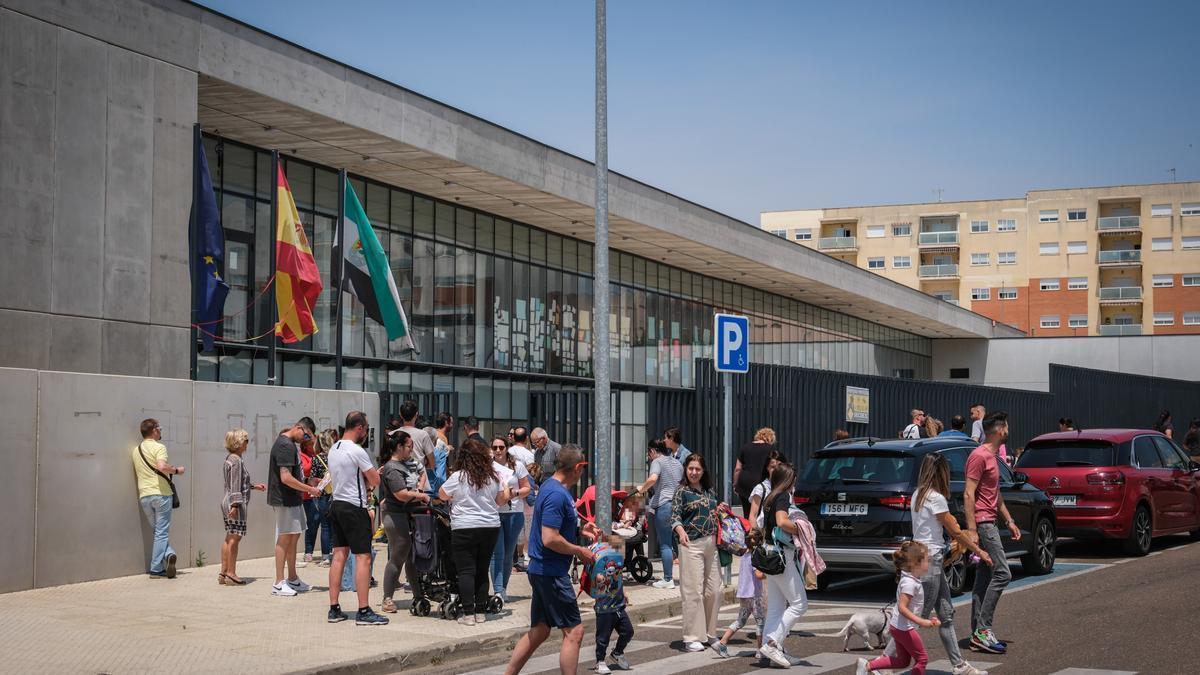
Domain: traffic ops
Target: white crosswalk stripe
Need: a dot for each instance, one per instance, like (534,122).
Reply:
(817,663)
(549,661)
(1093,671)
(944,667)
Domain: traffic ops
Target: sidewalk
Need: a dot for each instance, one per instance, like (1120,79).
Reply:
(192,625)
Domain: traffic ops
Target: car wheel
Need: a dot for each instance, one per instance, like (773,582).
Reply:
(1141,532)
(957,575)
(1040,560)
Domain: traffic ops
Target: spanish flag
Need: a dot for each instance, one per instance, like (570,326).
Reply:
(297,280)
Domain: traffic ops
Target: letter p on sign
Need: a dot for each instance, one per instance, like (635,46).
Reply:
(732,333)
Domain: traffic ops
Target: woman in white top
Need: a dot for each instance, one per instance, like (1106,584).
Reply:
(760,491)
(476,492)
(786,598)
(512,516)
(931,518)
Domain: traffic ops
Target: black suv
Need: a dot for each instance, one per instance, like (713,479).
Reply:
(857,493)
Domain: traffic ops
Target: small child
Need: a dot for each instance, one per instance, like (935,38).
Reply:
(912,563)
(750,596)
(609,593)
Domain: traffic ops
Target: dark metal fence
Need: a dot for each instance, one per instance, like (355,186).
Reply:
(1098,398)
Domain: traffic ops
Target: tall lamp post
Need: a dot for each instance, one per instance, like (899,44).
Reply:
(600,350)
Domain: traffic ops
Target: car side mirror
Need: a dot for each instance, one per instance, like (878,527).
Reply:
(1020,478)
(1193,466)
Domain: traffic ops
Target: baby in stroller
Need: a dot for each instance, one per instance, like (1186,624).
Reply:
(633,530)
(631,525)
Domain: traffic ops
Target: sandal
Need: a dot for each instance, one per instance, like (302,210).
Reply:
(231,581)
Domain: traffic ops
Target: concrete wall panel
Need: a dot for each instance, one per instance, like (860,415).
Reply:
(75,343)
(18,454)
(28,62)
(87,496)
(174,118)
(124,348)
(80,125)
(168,356)
(24,339)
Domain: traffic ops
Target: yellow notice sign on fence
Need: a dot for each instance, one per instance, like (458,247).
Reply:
(858,405)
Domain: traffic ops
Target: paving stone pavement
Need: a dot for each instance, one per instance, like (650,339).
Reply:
(193,625)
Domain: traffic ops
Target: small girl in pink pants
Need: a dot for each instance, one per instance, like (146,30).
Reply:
(912,562)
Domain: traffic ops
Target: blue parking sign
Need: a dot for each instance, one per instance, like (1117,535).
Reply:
(732,336)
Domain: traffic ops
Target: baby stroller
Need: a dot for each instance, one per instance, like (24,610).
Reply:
(636,562)
(431,558)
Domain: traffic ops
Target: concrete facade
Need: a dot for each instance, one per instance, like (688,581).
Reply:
(69,456)
(1024,363)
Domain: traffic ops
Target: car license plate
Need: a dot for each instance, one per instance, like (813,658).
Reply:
(1064,500)
(837,509)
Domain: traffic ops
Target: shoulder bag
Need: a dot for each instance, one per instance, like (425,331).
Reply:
(174,493)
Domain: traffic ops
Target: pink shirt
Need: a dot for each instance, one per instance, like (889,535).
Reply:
(982,467)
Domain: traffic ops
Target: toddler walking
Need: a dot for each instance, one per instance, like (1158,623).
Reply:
(608,591)
(912,563)
(750,596)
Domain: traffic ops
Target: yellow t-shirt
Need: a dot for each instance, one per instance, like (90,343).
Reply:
(149,483)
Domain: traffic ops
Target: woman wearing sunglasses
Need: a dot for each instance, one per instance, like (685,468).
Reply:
(512,516)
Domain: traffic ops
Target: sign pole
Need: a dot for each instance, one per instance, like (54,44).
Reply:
(731,342)
(600,337)
(727,452)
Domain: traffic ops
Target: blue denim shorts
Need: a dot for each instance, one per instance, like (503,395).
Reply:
(553,602)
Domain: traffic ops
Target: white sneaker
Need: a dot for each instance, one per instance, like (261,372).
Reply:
(299,586)
(695,646)
(861,667)
(480,618)
(968,669)
(775,656)
(284,589)
(602,668)
(467,620)
(664,583)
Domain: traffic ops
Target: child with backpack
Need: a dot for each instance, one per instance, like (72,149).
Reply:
(603,583)
(750,596)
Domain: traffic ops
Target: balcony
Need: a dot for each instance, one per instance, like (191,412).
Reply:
(1119,224)
(1121,329)
(838,243)
(1120,295)
(1117,258)
(938,271)
(937,239)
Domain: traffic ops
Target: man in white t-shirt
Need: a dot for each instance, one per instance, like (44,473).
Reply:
(353,476)
(913,431)
(423,445)
(978,412)
(521,452)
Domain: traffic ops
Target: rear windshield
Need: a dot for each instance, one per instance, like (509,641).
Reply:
(860,468)
(1071,453)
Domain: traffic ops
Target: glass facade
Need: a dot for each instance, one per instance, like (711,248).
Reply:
(498,306)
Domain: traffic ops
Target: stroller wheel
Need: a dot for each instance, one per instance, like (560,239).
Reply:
(640,569)
(420,607)
(495,604)
(451,609)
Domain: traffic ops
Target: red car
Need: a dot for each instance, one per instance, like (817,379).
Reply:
(1126,484)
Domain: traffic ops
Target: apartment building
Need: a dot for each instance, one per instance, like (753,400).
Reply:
(1122,260)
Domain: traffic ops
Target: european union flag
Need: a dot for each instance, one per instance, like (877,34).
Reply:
(207,254)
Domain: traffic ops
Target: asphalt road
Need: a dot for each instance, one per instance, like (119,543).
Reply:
(1099,613)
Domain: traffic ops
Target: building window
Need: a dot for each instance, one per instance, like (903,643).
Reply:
(1008,294)
(1049,284)
(903,373)
(901,262)
(875,263)
(1076,247)
(1191,280)
(1077,321)
(979,226)
(1050,322)
(875,231)
(1006,225)
(903,230)
(978,259)
(1076,214)
(1160,211)
(1048,216)
(804,234)
(1077,284)
(1048,248)
(780,233)
(981,294)
(1164,280)
(1006,258)
(1164,318)
(960,373)
(1191,318)
(1161,244)
(1189,209)
(1190,243)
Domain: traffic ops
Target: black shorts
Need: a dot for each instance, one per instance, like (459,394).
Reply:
(553,602)
(350,525)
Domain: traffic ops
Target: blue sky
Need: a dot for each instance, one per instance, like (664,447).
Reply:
(753,106)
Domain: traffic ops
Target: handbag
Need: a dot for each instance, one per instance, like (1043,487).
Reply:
(768,559)
(174,493)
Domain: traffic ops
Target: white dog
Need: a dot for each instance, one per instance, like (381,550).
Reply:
(866,624)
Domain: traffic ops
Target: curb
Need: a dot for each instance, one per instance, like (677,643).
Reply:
(440,654)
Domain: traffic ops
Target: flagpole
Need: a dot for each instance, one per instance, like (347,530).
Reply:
(274,239)
(193,245)
(340,265)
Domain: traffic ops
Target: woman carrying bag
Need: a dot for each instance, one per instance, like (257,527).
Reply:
(695,520)
(786,598)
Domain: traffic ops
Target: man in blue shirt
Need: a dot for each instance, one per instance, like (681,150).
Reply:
(673,437)
(956,428)
(552,536)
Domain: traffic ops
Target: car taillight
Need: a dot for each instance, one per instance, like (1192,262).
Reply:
(1106,478)
(897,502)
(799,500)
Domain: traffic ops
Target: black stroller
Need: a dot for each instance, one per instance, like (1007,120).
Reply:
(431,558)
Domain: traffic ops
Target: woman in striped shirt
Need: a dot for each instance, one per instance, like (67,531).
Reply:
(233,505)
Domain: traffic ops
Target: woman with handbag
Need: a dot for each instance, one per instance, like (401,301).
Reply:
(233,506)
(695,520)
(786,598)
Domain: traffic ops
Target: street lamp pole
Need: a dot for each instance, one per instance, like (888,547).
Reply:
(600,349)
